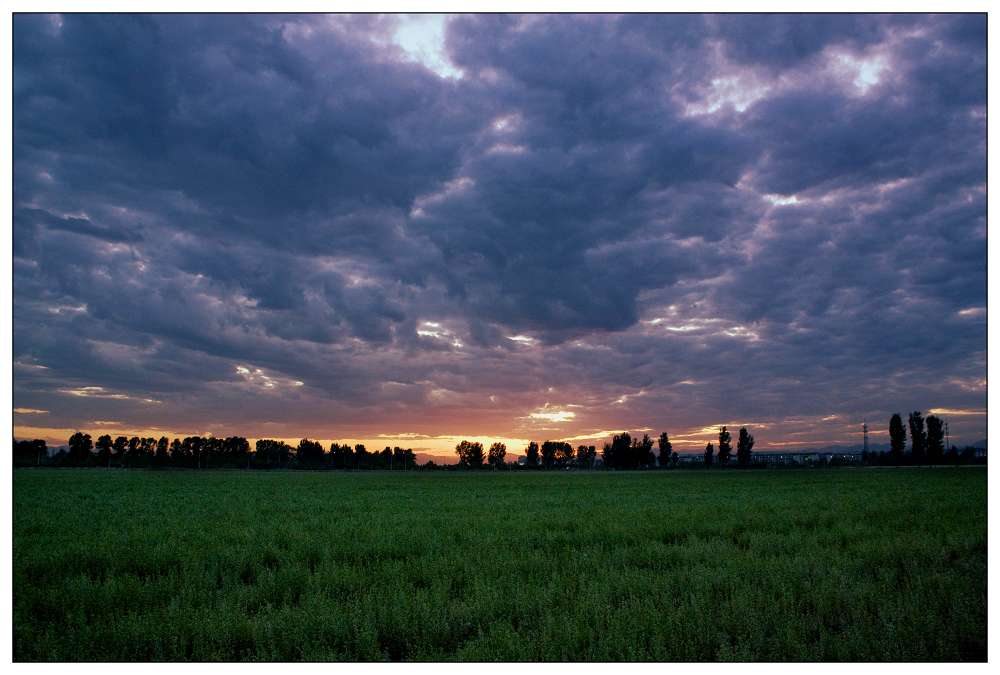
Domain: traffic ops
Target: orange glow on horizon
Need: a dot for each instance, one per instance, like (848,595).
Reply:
(770,435)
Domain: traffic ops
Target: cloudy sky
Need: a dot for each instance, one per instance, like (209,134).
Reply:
(409,230)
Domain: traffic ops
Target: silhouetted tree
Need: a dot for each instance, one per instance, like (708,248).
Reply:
(341,456)
(41,450)
(496,455)
(666,450)
(132,451)
(935,439)
(176,453)
(625,448)
(22,453)
(103,446)
(585,456)
(709,455)
(362,458)
(625,452)
(564,454)
(162,457)
(118,448)
(237,451)
(531,455)
(744,447)
(725,446)
(187,452)
(147,448)
(30,453)
(548,454)
(897,438)
(223,452)
(404,459)
(642,453)
(384,458)
(918,437)
(211,452)
(556,453)
(228,454)
(309,454)
(79,449)
(271,454)
(470,455)
(618,453)
(197,445)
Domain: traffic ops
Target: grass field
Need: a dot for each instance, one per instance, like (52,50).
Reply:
(850,564)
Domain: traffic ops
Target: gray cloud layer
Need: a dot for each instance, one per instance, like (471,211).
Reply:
(683,219)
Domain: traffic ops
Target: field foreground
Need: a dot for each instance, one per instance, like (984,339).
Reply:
(851,564)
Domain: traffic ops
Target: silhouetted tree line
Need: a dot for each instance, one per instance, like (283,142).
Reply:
(927,444)
(744,449)
(196,452)
(550,455)
(30,453)
(623,452)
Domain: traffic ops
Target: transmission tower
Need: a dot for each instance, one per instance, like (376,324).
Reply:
(947,441)
(864,430)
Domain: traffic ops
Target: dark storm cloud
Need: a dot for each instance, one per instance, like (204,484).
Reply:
(781,41)
(648,220)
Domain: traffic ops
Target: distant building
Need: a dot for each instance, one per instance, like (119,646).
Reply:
(806,458)
(777,458)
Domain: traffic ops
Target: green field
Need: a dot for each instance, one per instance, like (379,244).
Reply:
(849,564)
